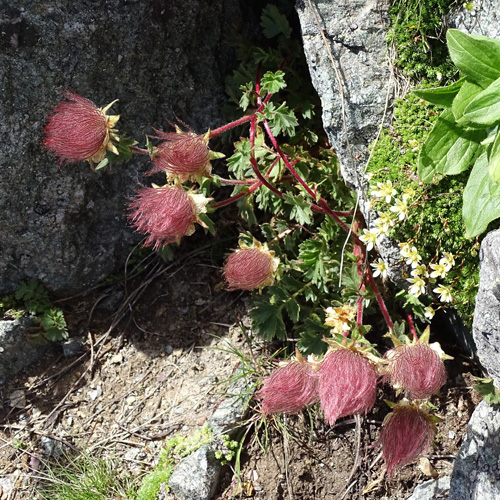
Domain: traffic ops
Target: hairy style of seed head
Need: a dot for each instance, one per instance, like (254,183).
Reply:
(416,368)
(347,384)
(79,131)
(406,435)
(182,154)
(250,268)
(289,389)
(165,214)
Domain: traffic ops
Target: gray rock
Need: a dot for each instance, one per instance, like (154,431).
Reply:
(16,350)
(162,59)
(231,411)
(351,74)
(196,476)
(486,325)
(483,19)
(476,474)
(432,489)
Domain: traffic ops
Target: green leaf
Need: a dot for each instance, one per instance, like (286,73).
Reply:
(273,82)
(281,119)
(486,388)
(311,255)
(267,320)
(441,96)
(467,93)
(494,160)
(478,57)
(293,309)
(481,199)
(273,22)
(298,208)
(449,148)
(485,107)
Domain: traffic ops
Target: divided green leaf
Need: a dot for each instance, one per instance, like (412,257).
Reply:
(273,22)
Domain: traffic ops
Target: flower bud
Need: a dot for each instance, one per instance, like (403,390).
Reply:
(347,384)
(406,435)
(416,368)
(250,268)
(182,154)
(165,214)
(79,131)
(289,389)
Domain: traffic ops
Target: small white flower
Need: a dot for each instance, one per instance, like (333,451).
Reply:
(444,293)
(385,190)
(413,258)
(400,209)
(379,268)
(413,144)
(420,270)
(429,312)
(417,287)
(447,260)
(408,193)
(369,238)
(404,249)
(383,223)
(439,270)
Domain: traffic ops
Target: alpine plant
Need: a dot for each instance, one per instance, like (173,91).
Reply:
(406,435)
(416,369)
(182,154)
(165,214)
(80,131)
(289,389)
(250,268)
(347,384)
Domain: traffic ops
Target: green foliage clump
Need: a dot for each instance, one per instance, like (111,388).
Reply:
(434,221)
(416,33)
(32,299)
(175,448)
(86,478)
(151,483)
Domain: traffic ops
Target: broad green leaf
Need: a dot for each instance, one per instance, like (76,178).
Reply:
(440,96)
(481,199)
(293,309)
(449,149)
(478,57)
(494,160)
(467,93)
(484,109)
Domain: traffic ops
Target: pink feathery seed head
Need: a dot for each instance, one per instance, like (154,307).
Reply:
(165,214)
(406,436)
(184,154)
(77,130)
(347,384)
(249,268)
(289,389)
(417,369)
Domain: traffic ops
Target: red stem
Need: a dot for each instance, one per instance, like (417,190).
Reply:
(379,298)
(412,327)
(231,125)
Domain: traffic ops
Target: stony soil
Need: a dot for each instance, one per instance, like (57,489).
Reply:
(154,359)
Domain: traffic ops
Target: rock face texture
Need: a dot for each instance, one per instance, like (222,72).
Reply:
(162,59)
(486,324)
(476,473)
(345,47)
